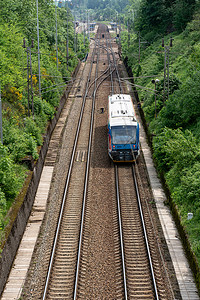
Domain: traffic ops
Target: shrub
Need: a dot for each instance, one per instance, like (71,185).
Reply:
(33,130)
(176,147)
(48,109)
(21,141)
(9,183)
(189,190)
(2,208)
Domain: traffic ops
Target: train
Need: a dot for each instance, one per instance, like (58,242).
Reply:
(123,129)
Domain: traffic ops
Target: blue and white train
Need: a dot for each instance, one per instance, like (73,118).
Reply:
(123,129)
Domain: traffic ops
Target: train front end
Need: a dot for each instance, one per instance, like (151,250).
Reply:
(124,143)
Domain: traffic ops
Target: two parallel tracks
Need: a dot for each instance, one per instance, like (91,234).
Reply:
(102,246)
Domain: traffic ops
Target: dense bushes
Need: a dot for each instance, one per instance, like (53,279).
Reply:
(181,109)
(11,179)
(158,18)
(176,128)
(25,118)
(178,157)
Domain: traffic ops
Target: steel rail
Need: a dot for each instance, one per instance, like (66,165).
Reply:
(96,87)
(121,232)
(93,82)
(145,235)
(111,71)
(115,67)
(85,188)
(119,211)
(118,203)
(108,55)
(67,183)
(118,77)
(111,76)
(140,209)
(153,226)
(70,169)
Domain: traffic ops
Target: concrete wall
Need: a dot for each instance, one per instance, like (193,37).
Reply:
(20,214)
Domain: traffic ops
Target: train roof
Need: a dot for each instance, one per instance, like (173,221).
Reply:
(121,110)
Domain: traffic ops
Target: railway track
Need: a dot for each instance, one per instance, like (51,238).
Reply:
(141,270)
(99,248)
(144,270)
(60,277)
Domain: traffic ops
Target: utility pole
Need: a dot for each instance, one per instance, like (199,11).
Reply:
(155,81)
(29,74)
(76,41)
(27,51)
(140,42)
(120,33)
(166,69)
(84,32)
(1,117)
(74,33)
(128,34)
(56,34)
(67,39)
(139,49)
(38,40)
(116,23)
(88,24)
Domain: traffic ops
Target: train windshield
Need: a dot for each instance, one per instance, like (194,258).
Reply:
(123,134)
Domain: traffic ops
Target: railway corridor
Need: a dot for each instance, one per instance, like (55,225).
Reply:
(100,273)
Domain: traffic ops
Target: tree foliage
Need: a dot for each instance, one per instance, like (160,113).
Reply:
(101,4)
(9,181)
(156,18)
(175,130)
(24,121)
(181,108)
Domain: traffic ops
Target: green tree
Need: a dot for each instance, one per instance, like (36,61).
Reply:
(155,17)
(22,134)
(181,108)
(183,12)
(12,58)
(9,182)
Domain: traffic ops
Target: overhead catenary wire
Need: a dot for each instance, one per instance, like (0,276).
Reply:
(142,87)
(61,84)
(51,86)
(149,76)
(46,75)
(51,90)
